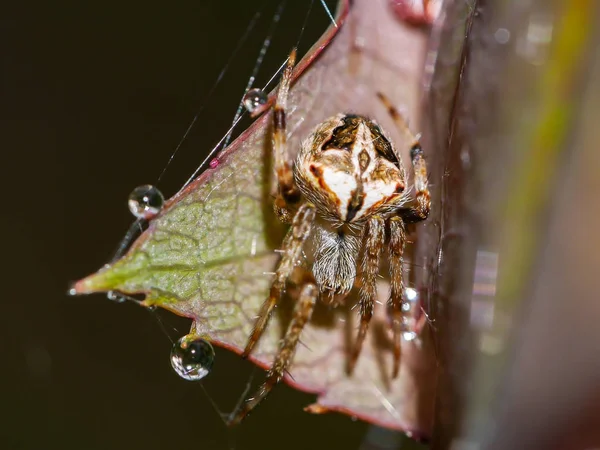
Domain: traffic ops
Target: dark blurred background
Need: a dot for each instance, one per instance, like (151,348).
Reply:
(95,96)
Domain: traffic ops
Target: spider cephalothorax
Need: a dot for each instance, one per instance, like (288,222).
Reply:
(346,194)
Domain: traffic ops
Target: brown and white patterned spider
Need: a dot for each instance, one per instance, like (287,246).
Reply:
(346,194)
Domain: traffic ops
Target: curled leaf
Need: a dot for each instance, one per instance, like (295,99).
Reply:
(209,254)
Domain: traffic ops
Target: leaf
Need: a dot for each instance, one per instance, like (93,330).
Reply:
(208,254)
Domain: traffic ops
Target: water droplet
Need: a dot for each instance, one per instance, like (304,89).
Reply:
(502,35)
(254,99)
(411,294)
(192,357)
(115,296)
(409,335)
(145,201)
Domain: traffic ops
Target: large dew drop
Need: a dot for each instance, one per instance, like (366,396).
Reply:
(254,99)
(145,201)
(192,357)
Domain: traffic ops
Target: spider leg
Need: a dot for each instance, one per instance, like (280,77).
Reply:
(288,193)
(302,313)
(420,210)
(416,212)
(373,241)
(292,248)
(395,302)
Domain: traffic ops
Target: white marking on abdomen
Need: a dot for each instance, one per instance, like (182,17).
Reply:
(342,185)
(375,191)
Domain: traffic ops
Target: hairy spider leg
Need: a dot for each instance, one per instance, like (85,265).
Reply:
(287,192)
(302,313)
(373,238)
(416,212)
(291,252)
(420,211)
(395,301)
(297,235)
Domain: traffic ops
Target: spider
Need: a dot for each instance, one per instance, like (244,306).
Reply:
(346,193)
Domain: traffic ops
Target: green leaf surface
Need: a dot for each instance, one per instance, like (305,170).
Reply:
(210,253)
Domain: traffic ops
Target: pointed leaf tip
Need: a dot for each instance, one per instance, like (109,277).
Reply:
(110,277)
(96,282)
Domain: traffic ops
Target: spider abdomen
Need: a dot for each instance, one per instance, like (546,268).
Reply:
(349,170)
